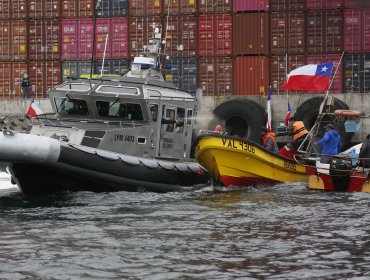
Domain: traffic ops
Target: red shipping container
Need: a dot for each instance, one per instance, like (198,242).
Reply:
(19,9)
(172,7)
(250,33)
(5,79)
(119,38)
(5,9)
(18,70)
(85,8)
(324,4)
(357,4)
(287,33)
(215,35)
(280,66)
(215,76)
(356,30)
(251,75)
(5,40)
(77,38)
(43,9)
(286,5)
(215,6)
(44,39)
(250,5)
(140,31)
(52,8)
(19,40)
(102,43)
(181,35)
(144,7)
(337,83)
(69,8)
(324,31)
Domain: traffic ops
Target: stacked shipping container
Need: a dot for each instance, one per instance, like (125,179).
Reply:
(226,47)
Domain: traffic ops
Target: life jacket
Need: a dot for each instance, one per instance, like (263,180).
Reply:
(267,135)
(298,130)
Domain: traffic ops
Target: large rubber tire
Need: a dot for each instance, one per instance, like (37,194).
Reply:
(243,118)
(309,110)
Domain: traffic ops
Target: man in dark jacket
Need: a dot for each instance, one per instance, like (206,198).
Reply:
(331,144)
(26,86)
(365,153)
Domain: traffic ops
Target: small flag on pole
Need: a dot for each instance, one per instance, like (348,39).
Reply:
(34,110)
(268,125)
(287,116)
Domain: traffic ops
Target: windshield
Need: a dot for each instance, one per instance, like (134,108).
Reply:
(68,106)
(119,110)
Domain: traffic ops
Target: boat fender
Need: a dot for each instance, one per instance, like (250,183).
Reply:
(347,113)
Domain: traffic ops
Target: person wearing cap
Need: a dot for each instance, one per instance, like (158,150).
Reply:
(331,144)
(364,156)
(269,140)
(298,131)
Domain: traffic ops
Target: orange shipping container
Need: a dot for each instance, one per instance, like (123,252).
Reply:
(5,79)
(172,7)
(145,7)
(44,75)
(250,33)
(70,8)
(251,75)
(280,66)
(43,9)
(215,76)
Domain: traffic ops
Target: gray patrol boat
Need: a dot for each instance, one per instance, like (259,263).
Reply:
(132,132)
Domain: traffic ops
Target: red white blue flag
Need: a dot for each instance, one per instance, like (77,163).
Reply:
(268,124)
(34,110)
(311,77)
(287,116)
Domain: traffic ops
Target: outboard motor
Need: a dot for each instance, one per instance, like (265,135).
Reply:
(340,172)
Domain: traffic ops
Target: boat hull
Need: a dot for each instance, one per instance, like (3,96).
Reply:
(234,161)
(59,166)
(357,181)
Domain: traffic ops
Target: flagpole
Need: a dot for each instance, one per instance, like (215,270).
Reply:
(330,83)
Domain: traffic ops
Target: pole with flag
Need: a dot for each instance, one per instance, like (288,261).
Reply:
(287,116)
(268,107)
(34,110)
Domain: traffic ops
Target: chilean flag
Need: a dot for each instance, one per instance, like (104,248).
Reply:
(311,77)
(34,110)
(287,116)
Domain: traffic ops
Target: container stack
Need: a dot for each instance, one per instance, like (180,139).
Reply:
(225,47)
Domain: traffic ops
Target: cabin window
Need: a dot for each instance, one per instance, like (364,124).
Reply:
(76,87)
(154,112)
(117,90)
(189,117)
(115,109)
(180,117)
(170,115)
(153,93)
(69,106)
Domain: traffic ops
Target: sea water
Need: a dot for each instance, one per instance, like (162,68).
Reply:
(278,232)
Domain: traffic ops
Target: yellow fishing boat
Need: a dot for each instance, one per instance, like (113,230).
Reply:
(233,161)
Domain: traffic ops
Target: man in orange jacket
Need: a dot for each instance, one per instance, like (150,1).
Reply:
(269,141)
(298,131)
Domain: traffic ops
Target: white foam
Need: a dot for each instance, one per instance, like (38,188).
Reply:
(5,181)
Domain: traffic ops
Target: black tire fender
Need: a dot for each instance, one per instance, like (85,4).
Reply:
(309,110)
(243,118)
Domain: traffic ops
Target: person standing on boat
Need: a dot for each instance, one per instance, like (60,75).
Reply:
(331,144)
(288,150)
(299,132)
(269,140)
(26,86)
(365,153)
